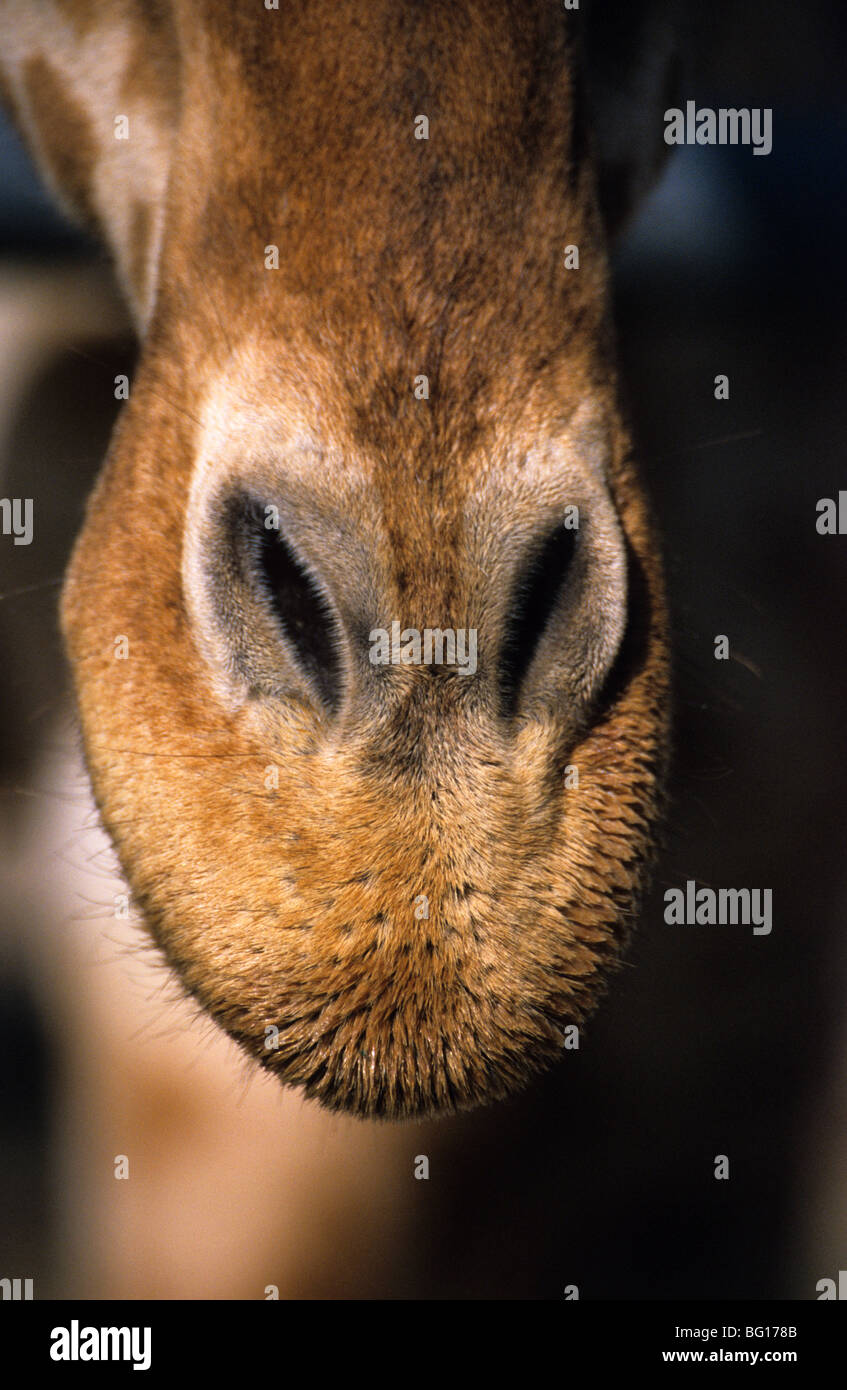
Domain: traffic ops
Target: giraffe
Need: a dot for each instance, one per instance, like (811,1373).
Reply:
(365,249)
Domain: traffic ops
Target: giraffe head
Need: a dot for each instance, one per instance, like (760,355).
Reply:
(366,618)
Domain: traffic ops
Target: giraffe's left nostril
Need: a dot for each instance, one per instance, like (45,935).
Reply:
(564,617)
(537,593)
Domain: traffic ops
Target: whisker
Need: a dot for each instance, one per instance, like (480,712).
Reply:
(32,588)
(727,439)
(709,444)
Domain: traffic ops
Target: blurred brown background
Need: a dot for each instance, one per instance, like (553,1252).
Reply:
(712,1041)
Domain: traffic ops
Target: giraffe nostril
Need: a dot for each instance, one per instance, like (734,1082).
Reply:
(536,596)
(262,614)
(305,617)
(564,615)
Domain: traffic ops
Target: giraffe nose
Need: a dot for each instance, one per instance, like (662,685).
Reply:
(289,606)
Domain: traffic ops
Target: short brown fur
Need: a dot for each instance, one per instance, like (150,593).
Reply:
(293,906)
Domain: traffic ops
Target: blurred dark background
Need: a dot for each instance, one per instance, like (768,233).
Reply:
(713,1040)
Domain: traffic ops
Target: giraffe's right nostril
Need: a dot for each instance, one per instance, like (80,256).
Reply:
(262,616)
(307,623)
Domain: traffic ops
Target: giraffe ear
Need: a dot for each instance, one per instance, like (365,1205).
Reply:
(93,90)
(634,70)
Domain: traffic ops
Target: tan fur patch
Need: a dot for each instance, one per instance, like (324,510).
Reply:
(288,902)
(65,135)
(138,246)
